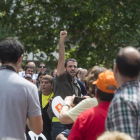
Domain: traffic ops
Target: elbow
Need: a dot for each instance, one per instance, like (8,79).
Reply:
(39,131)
(62,118)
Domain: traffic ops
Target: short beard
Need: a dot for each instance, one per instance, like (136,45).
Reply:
(70,74)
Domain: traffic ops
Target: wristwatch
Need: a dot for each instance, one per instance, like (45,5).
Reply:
(67,105)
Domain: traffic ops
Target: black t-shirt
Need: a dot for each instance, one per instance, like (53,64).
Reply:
(63,86)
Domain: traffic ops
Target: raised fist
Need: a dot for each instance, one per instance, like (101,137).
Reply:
(63,34)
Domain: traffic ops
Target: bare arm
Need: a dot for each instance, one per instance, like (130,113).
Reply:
(61,60)
(63,117)
(35,124)
(61,137)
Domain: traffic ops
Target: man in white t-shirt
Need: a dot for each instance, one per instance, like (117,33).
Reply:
(34,76)
(18,97)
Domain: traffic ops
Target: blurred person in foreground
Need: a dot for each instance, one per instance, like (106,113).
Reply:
(114,136)
(91,123)
(124,110)
(20,102)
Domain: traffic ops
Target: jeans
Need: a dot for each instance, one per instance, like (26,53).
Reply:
(57,128)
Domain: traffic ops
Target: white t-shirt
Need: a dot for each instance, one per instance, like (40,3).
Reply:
(18,100)
(22,74)
(81,107)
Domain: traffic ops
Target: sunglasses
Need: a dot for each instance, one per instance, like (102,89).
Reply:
(41,66)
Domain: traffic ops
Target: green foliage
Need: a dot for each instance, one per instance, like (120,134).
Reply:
(5,32)
(96,28)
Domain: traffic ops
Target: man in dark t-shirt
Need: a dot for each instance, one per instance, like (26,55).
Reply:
(65,82)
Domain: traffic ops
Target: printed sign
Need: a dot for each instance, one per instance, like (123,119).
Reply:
(58,107)
(57,104)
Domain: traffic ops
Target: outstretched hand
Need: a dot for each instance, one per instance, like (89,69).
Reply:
(63,34)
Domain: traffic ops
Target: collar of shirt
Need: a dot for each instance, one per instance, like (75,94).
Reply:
(126,85)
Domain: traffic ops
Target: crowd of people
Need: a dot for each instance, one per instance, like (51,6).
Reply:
(109,108)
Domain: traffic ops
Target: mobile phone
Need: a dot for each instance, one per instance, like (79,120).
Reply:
(77,100)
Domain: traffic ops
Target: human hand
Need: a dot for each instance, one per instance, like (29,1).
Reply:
(63,34)
(86,97)
(69,100)
(50,100)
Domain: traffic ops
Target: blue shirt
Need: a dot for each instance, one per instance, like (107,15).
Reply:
(82,86)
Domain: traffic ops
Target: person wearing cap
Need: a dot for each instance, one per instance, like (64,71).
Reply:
(91,123)
(28,77)
(34,76)
(124,110)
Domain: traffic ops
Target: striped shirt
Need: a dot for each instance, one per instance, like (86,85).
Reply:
(124,111)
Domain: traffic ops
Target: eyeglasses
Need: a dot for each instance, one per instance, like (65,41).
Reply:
(41,66)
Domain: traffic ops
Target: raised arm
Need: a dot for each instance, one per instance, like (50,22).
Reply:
(61,60)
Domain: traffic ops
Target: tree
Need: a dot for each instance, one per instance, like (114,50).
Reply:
(96,28)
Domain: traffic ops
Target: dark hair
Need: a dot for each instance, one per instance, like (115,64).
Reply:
(127,66)
(41,63)
(41,73)
(10,50)
(103,96)
(70,59)
(28,66)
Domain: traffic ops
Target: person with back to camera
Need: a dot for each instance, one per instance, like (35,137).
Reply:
(124,110)
(20,102)
(115,135)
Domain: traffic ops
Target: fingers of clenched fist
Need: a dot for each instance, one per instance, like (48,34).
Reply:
(63,34)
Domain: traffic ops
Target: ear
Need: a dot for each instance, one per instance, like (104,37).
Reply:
(20,59)
(64,68)
(115,68)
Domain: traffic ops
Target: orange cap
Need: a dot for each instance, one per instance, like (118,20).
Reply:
(105,79)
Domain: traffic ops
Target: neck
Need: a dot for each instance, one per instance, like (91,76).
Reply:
(47,93)
(73,79)
(122,79)
(12,65)
(99,101)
